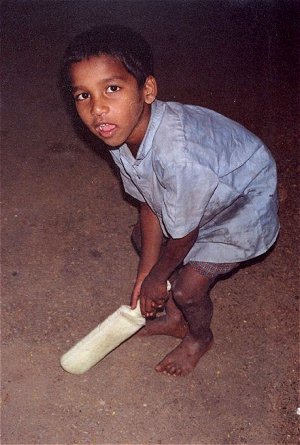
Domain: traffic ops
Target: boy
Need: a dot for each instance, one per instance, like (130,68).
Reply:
(206,186)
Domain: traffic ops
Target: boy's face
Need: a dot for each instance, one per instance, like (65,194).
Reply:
(109,101)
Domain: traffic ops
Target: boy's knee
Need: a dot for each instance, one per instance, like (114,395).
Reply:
(189,287)
(184,297)
(179,295)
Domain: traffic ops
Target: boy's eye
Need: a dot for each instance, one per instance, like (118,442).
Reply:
(82,96)
(112,89)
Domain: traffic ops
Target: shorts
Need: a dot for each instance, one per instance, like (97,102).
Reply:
(213,270)
(209,270)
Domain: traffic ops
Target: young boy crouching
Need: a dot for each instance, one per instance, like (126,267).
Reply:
(206,185)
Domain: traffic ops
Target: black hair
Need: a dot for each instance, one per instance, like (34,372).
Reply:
(120,42)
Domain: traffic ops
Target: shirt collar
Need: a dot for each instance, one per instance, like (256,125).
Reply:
(157,109)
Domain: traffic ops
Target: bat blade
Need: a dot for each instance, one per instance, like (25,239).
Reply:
(107,336)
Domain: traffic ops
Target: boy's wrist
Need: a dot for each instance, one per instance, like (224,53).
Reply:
(141,276)
(159,275)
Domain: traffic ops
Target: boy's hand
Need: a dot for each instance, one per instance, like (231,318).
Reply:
(153,295)
(136,292)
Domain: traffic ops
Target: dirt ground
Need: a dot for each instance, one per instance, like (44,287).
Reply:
(67,260)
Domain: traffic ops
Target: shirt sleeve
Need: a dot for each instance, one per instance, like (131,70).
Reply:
(188,189)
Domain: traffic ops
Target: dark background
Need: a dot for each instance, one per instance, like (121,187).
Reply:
(67,261)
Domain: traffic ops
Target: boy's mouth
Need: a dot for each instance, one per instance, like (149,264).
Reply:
(105,129)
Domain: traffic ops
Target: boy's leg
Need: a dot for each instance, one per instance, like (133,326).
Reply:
(190,292)
(173,323)
(189,312)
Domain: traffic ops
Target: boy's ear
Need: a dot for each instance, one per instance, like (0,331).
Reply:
(150,89)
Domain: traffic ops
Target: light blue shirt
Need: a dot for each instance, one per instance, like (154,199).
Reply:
(196,167)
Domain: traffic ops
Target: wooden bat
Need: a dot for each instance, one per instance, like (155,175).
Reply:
(107,336)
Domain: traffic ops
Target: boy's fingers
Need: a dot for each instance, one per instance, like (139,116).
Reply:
(142,306)
(151,313)
(134,300)
(147,308)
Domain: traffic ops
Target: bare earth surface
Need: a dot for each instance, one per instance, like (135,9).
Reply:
(67,261)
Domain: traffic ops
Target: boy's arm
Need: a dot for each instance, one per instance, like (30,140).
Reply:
(153,289)
(152,238)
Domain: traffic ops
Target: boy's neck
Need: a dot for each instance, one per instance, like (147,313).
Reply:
(143,125)
(134,148)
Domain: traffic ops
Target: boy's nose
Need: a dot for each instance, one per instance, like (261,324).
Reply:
(98,107)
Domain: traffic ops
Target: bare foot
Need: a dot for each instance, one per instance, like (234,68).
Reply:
(165,325)
(184,358)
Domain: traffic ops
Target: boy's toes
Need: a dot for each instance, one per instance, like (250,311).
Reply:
(163,367)
(171,369)
(159,368)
